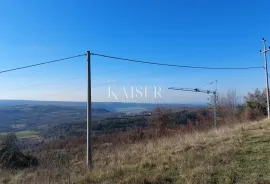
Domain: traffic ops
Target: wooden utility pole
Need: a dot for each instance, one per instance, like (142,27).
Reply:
(89,111)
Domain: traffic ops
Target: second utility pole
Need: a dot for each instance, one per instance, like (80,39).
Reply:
(266,73)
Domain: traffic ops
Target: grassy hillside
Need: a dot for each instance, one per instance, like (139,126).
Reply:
(238,154)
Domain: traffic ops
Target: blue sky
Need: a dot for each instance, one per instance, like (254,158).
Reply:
(199,33)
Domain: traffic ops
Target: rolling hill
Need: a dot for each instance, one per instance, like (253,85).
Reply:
(36,117)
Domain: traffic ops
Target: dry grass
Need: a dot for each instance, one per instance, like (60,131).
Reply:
(237,154)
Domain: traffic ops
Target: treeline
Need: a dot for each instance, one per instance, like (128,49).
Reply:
(230,109)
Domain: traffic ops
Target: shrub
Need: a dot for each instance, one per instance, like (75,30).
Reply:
(12,157)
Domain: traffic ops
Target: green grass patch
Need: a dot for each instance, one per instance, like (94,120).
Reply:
(26,134)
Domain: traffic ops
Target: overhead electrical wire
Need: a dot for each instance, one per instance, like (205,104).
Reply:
(136,61)
(43,63)
(175,65)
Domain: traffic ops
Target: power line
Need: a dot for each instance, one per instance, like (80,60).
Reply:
(133,60)
(174,65)
(43,63)
(63,80)
(59,81)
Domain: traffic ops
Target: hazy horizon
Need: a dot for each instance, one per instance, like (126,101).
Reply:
(22,100)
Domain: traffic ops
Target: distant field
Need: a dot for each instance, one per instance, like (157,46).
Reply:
(26,134)
(130,109)
(18,126)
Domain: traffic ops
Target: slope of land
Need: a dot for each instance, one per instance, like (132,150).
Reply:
(36,117)
(238,154)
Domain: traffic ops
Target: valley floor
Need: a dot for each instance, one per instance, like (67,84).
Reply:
(238,154)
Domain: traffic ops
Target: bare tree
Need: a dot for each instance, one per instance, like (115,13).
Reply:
(230,102)
(226,106)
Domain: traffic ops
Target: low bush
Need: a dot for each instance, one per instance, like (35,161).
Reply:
(11,156)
